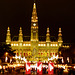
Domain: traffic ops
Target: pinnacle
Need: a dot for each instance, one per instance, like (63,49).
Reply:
(8,28)
(20,28)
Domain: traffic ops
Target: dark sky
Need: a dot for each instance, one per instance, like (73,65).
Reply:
(51,13)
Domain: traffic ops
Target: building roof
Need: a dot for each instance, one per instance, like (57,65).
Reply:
(41,38)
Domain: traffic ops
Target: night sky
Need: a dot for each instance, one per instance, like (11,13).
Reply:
(51,13)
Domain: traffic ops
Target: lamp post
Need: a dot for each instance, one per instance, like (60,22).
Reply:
(6,58)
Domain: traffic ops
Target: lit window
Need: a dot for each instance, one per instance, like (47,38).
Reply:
(47,44)
(26,44)
(67,46)
(11,44)
(59,44)
(34,24)
(41,44)
(38,44)
(56,45)
(44,45)
(23,44)
(20,44)
(14,44)
(51,44)
(29,44)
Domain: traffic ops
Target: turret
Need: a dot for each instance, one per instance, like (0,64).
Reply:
(34,24)
(48,35)
(60,41)
(20,35)
(8,36)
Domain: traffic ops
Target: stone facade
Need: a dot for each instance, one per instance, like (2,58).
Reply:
(35,49)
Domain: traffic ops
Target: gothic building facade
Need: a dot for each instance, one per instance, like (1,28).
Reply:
(35,49)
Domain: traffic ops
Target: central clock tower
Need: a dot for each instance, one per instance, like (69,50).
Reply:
(34,24)
(34,33)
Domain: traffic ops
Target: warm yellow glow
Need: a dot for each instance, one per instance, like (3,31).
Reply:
(51,44)
(17,44)
(11,44)
(6,59)
(47,29)
(6,53)
(44,45)
(34,24)
(23,44)
(18,64)
(20,44)
(29,44)
(41,44)
(56,45)
(0,67)
(26,44)
(59,29)
(47,44)
(59,44)
(14,44)
(10,60)
(38,44)
(52,58)
(34,5)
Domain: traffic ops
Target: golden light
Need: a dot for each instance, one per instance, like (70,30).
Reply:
(44,45)
(38,44)
(14,44)
(6,53)
(23,44)
(56,45)
(34,24)
(34,5)
(11,44)
(0,67)
(29,44)
(51,44)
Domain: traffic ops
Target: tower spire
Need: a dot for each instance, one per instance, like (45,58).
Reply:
(8,36)
(60,37)
(34,17)
(20,35)
(48,35)
(34,24)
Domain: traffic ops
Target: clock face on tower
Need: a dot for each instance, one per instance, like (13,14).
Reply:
(34,24)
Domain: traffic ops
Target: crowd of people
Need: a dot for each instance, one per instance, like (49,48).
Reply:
(22,69)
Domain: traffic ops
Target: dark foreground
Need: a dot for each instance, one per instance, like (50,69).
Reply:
(21,71)
(31,74)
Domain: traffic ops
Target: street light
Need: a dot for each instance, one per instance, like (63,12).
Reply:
(6,53)
(6,56)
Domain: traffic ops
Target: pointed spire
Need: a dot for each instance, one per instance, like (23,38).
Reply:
(60,37)
(34,7)
(20,31)
(60,32)
(34,17)
(48,35)
(8,36)
(20,35)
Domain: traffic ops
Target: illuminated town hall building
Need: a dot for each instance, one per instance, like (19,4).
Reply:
(35,49)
